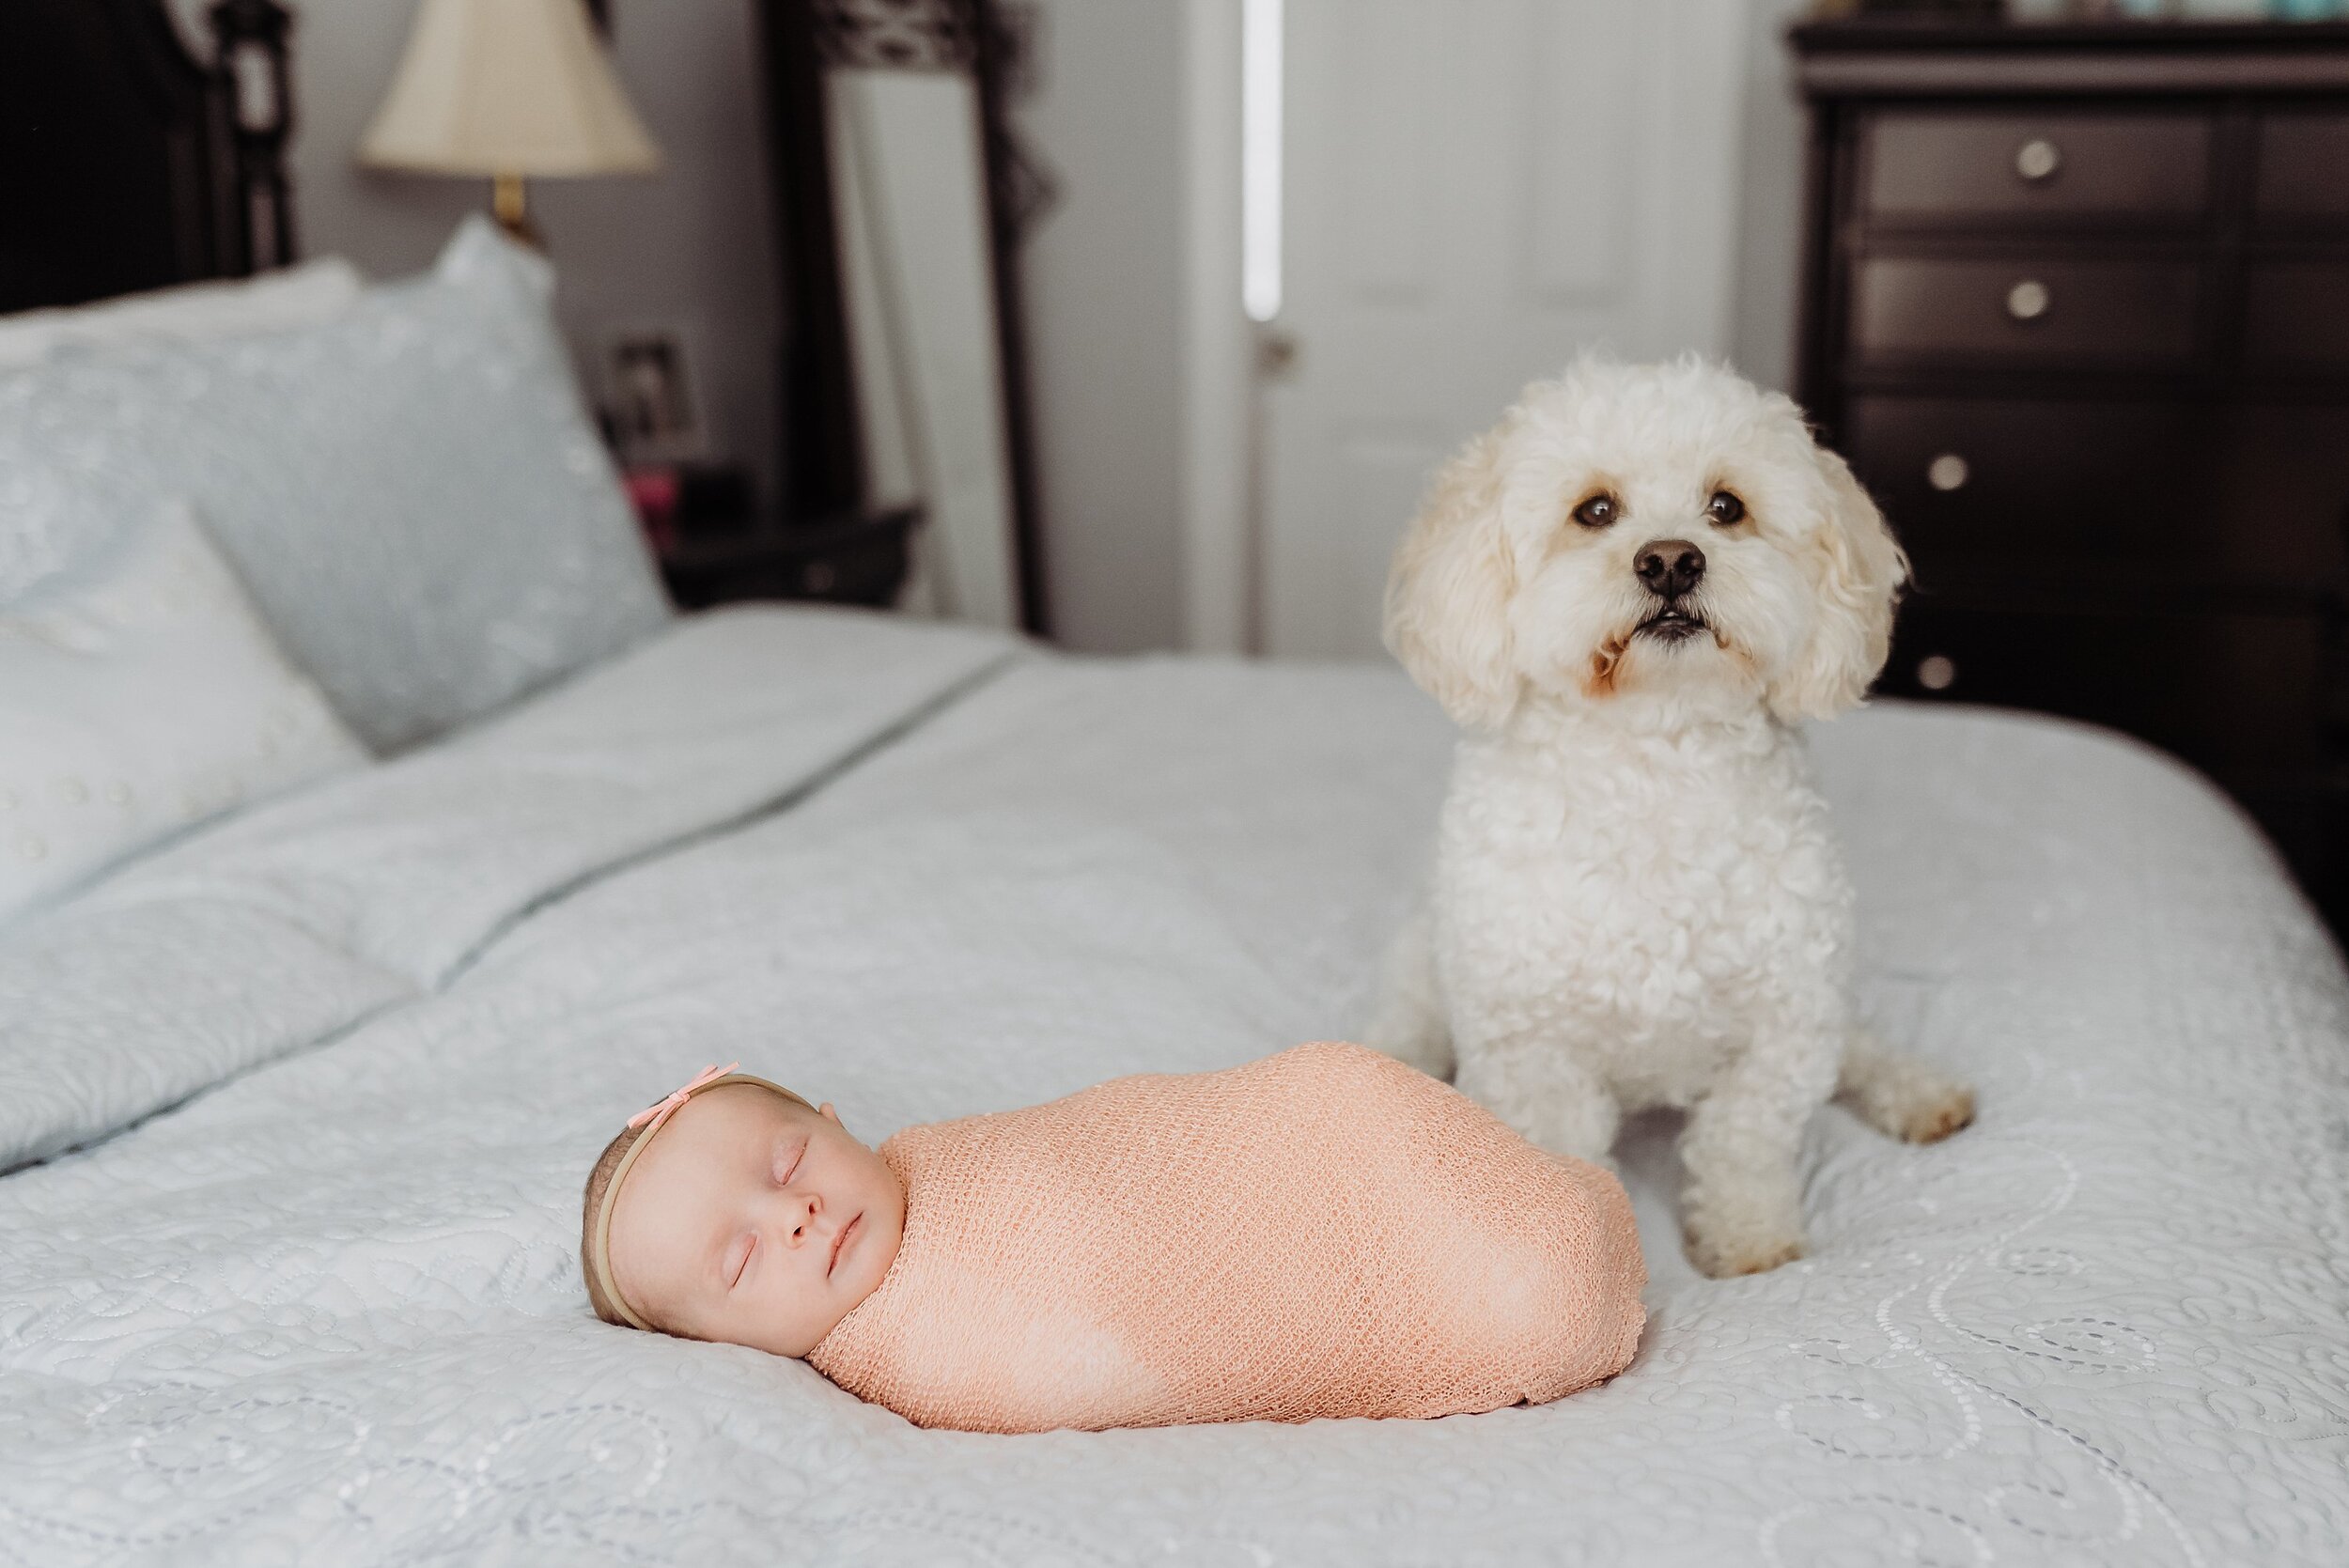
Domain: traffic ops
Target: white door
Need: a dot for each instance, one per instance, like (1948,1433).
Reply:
(1473,190)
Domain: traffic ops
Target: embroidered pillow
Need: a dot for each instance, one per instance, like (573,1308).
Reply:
(139,695)
(409,491)
(192,313)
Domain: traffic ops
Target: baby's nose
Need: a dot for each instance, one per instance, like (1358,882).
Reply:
(800,1214)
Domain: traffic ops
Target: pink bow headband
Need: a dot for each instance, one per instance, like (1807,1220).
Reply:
(652,1118)
(661,1110)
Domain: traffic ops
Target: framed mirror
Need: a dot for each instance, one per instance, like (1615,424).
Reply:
(902,196)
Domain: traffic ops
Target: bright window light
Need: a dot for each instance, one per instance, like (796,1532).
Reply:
(1260,159)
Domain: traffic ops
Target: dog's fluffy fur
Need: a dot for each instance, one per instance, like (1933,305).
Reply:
(1637,898)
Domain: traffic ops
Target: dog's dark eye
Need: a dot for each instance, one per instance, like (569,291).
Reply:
(1724,509)
(1598,511)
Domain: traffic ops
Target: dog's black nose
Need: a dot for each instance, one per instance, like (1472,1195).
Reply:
(1669,568)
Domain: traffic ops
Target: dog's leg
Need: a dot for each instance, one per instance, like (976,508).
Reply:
(1541,1088)
(1741,1208)
(1410,1025)
(1899,1096)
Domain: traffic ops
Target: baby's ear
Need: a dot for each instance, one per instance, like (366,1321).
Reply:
(826,1111)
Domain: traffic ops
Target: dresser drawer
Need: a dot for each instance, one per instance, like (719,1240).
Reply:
(2049,486)
(2221,689)
(2295,315)
(2027,310)
(2304,168)
(2245,496)
(2279,490)
(2027,166)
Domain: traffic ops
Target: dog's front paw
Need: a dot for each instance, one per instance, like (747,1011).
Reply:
(1917,1105)
(1902,1097)
(1931,1120)
(1748,1228)
(1727,1256)
(1741,1218)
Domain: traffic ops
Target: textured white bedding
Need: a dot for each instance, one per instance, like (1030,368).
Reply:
(330,1310)
(278,928)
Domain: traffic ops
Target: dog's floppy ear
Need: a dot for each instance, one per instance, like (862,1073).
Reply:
(1856,570)
(1448,591)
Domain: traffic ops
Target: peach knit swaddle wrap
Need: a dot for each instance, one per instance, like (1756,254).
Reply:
(1323,1233)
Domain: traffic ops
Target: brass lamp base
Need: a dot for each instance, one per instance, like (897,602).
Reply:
(510,202)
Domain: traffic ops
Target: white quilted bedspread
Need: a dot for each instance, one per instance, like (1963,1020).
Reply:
(330,1311)
(278,927)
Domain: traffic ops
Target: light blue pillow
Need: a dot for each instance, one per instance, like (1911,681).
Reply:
(410,492)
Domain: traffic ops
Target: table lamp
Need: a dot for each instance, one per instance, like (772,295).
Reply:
(509,89)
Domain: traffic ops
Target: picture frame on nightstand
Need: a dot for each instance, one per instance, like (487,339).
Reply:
(647,397)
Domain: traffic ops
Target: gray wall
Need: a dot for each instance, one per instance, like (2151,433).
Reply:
(1105,291)
(692,247)
(1770,226)
(1104,286)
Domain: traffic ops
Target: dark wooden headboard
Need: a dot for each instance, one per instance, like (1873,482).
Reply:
(128,163)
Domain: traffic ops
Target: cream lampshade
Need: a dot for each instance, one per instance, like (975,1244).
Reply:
(509,89)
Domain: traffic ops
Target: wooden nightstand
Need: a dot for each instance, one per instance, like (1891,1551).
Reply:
(857,560)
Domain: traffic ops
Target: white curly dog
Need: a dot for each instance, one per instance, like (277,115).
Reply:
(1627,593)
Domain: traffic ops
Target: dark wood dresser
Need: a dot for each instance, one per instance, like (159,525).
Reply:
(2076,308)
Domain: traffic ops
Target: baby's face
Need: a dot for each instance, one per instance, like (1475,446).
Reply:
(755,1221)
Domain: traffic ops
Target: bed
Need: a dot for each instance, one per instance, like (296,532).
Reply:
(297,1088)
(321,1302)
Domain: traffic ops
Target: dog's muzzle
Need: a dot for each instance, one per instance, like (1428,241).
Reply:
(1670,569)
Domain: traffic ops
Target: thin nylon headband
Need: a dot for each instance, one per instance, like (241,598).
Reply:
(600,1240)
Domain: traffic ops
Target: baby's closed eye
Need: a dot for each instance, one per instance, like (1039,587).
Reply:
(739,1258)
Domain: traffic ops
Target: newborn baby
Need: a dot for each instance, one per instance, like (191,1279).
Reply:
(1323,1233)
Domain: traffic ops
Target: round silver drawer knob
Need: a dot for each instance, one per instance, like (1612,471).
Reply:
(1935,673)
(2037,159)
(2029,300)
(1948,472)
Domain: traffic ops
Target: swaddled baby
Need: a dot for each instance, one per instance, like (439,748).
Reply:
(1323,1233)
